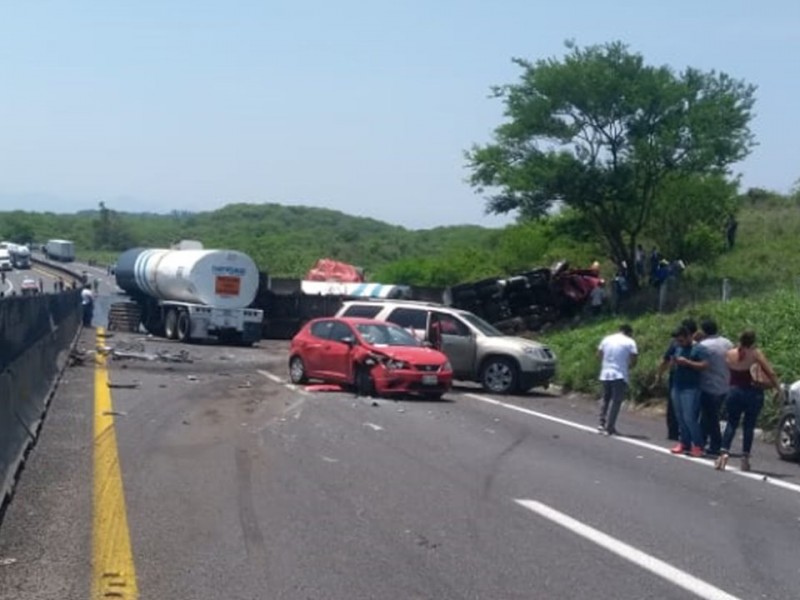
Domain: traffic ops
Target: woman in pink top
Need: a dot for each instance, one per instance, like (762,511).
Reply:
(746,396)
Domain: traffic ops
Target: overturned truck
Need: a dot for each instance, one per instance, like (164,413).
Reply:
(527,300)
(523,301)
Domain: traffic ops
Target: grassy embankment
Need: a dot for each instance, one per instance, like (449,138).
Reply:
(764,269)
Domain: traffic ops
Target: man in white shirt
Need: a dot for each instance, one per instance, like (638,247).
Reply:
(87,305)
(618,353)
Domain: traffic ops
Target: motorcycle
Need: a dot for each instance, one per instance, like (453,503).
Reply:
(787,440)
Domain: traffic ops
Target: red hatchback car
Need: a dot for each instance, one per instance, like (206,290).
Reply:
(373,356)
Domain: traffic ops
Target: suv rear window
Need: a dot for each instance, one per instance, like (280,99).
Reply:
(409,318)
(363,311)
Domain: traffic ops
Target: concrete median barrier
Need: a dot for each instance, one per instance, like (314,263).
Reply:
(36,336)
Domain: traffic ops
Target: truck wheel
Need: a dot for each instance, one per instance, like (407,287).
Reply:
(786,442)
(184,330)
(499,375)
(171,324)
(297,370)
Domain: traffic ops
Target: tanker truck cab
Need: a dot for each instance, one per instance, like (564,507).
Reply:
(193,294)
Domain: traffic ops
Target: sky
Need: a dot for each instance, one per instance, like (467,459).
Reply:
(363,106)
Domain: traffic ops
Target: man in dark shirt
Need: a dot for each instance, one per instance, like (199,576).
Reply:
(673,431)
(689,359)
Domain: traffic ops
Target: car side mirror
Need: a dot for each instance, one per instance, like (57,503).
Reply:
(349,340)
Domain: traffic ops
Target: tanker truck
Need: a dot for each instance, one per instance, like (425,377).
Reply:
(192,294)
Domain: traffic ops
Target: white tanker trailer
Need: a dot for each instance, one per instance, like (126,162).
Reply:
(193,294)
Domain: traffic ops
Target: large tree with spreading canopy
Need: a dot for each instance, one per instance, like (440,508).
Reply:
(601,131)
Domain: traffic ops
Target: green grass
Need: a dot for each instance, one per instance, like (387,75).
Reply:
(772,316)
(100,257)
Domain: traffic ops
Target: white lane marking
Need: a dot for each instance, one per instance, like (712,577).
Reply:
(373,426)
(290,386)
(752,475)
(271,376)
(666,571)
(9,285)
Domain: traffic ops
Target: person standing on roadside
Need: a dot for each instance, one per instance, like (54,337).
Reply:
(87,305)
(751,374)
(714,384)
(673,431)
(689,360)
(617,353)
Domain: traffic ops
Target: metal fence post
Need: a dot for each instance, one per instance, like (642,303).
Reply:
(726,290)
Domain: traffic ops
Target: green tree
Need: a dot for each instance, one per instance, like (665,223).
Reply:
(690,214)
(601,131)
(109,232)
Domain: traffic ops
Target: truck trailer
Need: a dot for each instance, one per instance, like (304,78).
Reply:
(193,294)
(60,250)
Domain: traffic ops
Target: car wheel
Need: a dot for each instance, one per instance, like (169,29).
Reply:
(171,324)
(786,442)
(365,385)
(297,370)
(184,327)
(499,376)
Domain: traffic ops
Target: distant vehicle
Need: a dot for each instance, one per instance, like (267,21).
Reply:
(29,287)
(503,364)
(372,356)
(5,260)
(20,256)
(193,294)
(60,250)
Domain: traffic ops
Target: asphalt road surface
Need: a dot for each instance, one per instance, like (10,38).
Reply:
(49,277)
(216,479)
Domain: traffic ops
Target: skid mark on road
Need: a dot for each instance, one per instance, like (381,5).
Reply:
(113,572)
(753,475)
(666,571)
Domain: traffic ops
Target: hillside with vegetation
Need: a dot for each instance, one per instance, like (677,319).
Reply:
(764,272)
(287,240)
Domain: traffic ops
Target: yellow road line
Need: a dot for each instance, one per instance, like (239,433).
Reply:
(113,572)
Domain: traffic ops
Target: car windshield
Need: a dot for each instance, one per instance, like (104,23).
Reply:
(379,334)
(481,325)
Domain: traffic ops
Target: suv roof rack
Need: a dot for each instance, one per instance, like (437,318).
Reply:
(369,299)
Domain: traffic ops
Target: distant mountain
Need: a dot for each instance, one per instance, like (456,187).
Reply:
(285,240)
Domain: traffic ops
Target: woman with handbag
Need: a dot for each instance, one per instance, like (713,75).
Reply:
(751,374)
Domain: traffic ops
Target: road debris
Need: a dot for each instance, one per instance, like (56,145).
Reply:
(373,426)
(4,562)
(114,413)
(246,384)
(123,386)
(191,377)
(181,356)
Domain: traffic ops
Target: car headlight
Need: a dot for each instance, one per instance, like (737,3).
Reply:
(396,365)
(446,366)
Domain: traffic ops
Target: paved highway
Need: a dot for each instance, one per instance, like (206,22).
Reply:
(217,479)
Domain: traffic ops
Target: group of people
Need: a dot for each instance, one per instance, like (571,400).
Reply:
(706,373)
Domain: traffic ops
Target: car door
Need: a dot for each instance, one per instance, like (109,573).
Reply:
(313,351)
(338,351)
(458,343)
(414,320)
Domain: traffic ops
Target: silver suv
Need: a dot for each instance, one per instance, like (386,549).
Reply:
(478,351)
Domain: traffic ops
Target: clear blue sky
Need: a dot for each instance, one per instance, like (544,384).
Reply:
(358,105)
